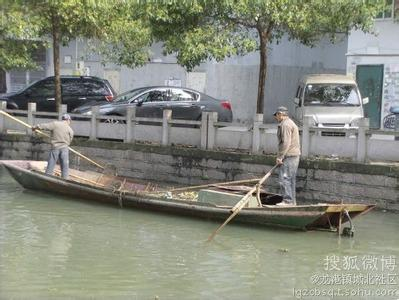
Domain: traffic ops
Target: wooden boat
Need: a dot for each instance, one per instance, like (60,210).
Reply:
(208,203)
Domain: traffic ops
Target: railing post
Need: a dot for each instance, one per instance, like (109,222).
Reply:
(258,120)
(3,106)
(62,111)
(307,123)
(93,122)
(212,119)
(361,152)
(167,116)
(130,124)
(204,130)
(31,118)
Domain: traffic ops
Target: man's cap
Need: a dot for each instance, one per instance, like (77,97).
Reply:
(282,110)
(66,117)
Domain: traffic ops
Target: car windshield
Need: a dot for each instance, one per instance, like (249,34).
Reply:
(125,97)
(331,95)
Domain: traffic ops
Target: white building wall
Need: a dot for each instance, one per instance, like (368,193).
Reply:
(381,48)
(235,79)
(384,41)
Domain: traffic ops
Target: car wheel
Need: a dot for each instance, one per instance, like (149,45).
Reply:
(11,105)
(114,121)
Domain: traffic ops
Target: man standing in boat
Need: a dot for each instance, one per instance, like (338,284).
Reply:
(61,138)
(289,151)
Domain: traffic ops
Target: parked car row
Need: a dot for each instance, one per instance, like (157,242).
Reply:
(331,100)
(81,93)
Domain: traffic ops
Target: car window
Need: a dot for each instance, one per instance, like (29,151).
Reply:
(299,94)
(182,95)
(299,91)
(154,96)
(95,88)
(128,95)
(331,95)
(73,87)
(45,88)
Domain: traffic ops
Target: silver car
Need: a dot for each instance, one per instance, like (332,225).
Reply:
(331,100)
(185,103)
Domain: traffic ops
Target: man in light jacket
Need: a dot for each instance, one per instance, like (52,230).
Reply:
(289,151)
(61,138)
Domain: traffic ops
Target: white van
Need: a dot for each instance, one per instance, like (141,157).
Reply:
(331,100)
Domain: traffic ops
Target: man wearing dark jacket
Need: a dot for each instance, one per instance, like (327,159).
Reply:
(61,138)
(289,151)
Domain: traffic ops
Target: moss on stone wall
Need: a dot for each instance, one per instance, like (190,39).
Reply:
(344,166)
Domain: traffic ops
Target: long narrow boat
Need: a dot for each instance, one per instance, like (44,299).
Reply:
(212,203)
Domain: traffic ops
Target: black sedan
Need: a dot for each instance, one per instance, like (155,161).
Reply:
(185,103)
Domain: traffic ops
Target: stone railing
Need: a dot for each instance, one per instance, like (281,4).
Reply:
(358,144)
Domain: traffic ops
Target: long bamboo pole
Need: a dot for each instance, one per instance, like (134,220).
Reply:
(46,135)
(240,204)
(196,187)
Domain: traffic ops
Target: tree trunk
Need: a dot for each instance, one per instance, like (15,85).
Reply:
(56,60)
(3,84)
(263,37)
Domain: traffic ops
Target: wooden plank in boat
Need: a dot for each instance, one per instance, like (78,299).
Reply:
(222,198)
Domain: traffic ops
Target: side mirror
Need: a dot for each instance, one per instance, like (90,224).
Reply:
(139,103)
(365,100)
(394,109)
(296,101)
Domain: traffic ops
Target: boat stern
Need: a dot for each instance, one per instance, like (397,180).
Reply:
(337,214)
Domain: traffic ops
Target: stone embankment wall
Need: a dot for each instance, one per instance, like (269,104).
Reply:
(317,181)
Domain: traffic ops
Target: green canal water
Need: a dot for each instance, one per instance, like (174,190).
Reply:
(53,247)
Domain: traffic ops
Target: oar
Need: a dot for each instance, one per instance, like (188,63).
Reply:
(240,204)
(46,135)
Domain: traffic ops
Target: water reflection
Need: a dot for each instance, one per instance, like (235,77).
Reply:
(54,247)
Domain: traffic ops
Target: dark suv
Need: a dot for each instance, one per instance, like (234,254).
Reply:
(75,90)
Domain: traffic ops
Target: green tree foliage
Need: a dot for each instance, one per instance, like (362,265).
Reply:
(199,30)
(116,27)
(17,37)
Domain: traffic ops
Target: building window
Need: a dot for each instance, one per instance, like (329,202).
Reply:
(387,13)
